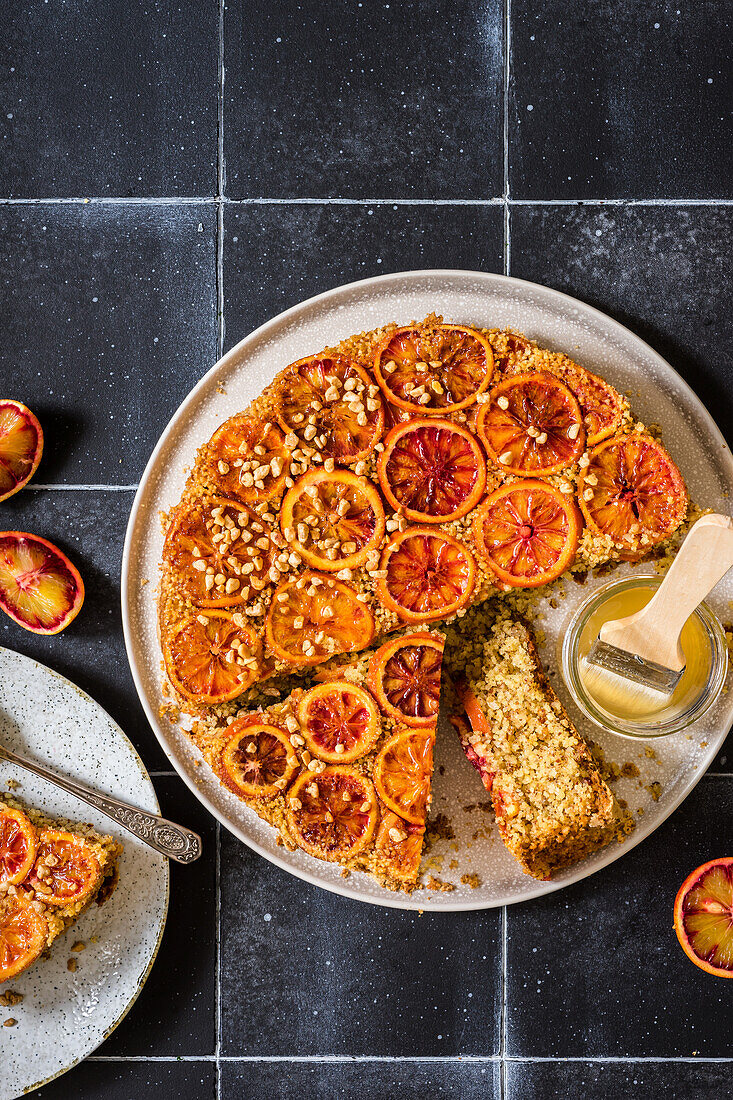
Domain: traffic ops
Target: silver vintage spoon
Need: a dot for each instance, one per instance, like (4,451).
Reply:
(164,836)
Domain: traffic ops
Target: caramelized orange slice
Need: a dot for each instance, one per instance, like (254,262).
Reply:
(211,658)
(333,520)
(247,458)
(338,401)
(532,425)
(221,552)
(428,575)
(332,815)
(527,532)
(432,370)
(66,868)
(509,348)
(633,492)
(258,760)
(339,721)
(17,845)
(703,917)
(314,617)
(23,932)
(402,841)
(602,407)
(432,469)
(21,446)
(404,675)
(40,589)
(402,774)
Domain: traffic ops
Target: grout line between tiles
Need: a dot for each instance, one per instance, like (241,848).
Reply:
(506,258)
(82,488)
(221,199)
(479,1059)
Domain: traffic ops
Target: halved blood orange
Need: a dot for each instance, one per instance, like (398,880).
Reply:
(23,932)
(339,721)
(220,551)
(402,840)
(338,400)
(703,916)
(333,519)
(433,369)
(314,617)
(211,657)
(403,771)
(434,470)
(429,575)
(21,446)
(404,675)
(66,868)
(18,845)
(532,425)
(39,587)
(258,760)
(601,405)
(527,531)
(247,458)
(632,491)
(332,815)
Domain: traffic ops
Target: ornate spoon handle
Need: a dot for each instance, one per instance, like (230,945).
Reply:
(164,836)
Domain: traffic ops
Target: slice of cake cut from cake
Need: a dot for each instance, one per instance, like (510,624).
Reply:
(343,768)
(50,872)
(552,805)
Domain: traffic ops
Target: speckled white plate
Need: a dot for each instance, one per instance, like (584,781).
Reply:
(64,1016)
(659,395)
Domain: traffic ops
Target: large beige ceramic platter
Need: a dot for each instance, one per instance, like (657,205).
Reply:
(556,321)
(64,1015)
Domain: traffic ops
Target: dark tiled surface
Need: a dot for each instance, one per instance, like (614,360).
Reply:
(90,526)
(277,255)
(320,974)
(101,100)
(176,1011)
(359,100)
(609,1080)
(620,100)
(361,1081)
(109,318)
(663,271)
(141,1080)
(596,969)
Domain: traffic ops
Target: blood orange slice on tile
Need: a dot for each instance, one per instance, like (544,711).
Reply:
(339,721)
(39,587)
(258,760)
(23,932)
(632,492)
(333,405)
(332,814)
(404,675)
(433,369)
(527,532)
(532,425)
(428,575)
(21,446)
(433,470)
(703,917)
(18,843)
(66,868)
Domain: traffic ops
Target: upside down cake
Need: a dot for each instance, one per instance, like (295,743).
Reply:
(393,482)
(50,872)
